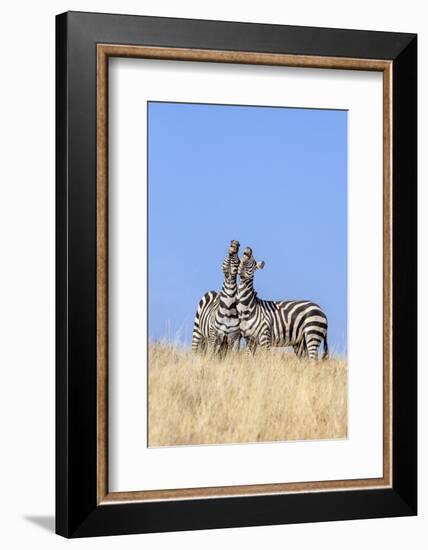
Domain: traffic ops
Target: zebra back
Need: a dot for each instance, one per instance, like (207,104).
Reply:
(298,323)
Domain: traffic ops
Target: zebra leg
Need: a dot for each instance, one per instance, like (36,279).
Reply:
(234,343)
(251,346)
(265,340)
(325,355)
(212,342)
(222,347)
(312,345)
(217,343)
(197,340)
(237,343)
(300,349)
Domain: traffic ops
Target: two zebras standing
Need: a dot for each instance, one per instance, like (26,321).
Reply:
(224,317)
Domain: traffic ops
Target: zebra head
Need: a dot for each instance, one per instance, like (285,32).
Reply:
(233,248)
(231,262)
(248,265)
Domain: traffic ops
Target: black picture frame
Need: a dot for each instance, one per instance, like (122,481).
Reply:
(77,511)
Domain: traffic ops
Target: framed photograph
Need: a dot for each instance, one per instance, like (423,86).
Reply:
(236,274)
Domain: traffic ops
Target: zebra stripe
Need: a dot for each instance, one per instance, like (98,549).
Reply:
(205,315)
(297,323)
(216,326)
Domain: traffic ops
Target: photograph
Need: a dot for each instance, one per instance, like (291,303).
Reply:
(247,274)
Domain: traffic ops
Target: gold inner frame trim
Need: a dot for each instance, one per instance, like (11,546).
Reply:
(104,51)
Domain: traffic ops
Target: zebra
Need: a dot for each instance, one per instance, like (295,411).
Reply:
(297,323)
(216,326)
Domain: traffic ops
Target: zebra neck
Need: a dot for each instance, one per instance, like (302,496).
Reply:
(229,288)
(246,295)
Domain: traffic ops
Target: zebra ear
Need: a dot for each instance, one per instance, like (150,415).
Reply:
(260,265)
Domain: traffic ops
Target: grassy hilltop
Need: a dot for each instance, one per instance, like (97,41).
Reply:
(271,396)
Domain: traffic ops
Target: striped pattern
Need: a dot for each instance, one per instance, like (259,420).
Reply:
(300,324)
(216,326)
(204,320)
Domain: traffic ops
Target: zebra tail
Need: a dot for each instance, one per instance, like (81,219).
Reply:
(325,355)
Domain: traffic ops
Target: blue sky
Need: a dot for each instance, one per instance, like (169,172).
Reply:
(273,178)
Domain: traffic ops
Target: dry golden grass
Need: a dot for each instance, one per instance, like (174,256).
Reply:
(272,396)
